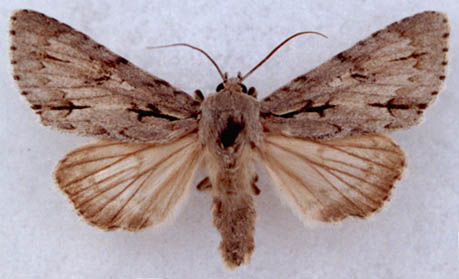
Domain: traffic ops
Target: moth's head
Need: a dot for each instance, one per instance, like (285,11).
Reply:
(235,85)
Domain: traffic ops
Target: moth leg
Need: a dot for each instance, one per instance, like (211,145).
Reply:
(256,191)
(198,95)
(204,185)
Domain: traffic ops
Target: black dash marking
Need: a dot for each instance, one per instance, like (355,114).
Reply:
(12,32)
(154,111)
(413,55)
(70,108)
(101,79)
(442,77)
(359,76)
(308,108)
(320,109)
(390,106)
(50,57)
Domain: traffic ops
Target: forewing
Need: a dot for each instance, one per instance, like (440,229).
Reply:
(330,180)
(124,185)
(76,84)
(382,83)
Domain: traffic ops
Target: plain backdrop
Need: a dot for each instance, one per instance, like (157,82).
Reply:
(415,236)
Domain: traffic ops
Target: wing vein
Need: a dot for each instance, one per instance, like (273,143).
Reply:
(368,147)
(351,166)
(106,167)
(359,157)
(118,212)
(328,167)
(298,179)
(107,188)
(336,189)
(150,172)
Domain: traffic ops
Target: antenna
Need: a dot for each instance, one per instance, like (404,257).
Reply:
(276,48)
(224,76)
(195,48)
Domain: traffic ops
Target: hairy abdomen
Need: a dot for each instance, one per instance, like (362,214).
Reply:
(234,216)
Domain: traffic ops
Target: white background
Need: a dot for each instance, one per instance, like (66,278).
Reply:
(415,236)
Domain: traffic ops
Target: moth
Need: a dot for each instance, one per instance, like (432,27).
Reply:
(320,137)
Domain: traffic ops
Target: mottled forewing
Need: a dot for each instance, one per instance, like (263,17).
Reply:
(382,83)
(76,84)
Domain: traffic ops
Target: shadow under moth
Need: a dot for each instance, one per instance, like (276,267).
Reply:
(319,136)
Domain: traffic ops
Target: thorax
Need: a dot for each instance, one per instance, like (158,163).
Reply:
(229,125)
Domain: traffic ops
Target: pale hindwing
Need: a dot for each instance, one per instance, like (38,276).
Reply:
(330,180)
(128,185)
(77,85)
(384,82)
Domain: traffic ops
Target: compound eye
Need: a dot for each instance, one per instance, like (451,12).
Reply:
(220,87)
(244,89)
